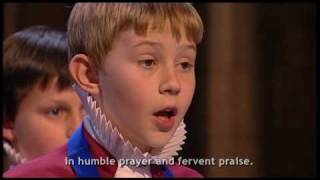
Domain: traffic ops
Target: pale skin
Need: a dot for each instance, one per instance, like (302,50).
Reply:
(139,76)
(45,120)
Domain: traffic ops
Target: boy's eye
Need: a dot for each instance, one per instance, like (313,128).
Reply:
(186,66)
(148,63)
(55,112)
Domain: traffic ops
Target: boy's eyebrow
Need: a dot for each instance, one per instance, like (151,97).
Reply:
(150,43)
(189,46)
(59,102)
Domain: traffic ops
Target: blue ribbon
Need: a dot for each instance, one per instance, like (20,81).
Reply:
(167,172)
(78,147)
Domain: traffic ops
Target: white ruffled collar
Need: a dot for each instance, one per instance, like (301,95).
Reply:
(13,155)
(112,140)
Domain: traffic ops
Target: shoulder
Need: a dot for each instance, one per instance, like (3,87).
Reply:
(49,165)
(184,171)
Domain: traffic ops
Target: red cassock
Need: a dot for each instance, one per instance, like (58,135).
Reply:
(54,165)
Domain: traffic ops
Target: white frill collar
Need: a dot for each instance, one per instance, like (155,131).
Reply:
(101,129)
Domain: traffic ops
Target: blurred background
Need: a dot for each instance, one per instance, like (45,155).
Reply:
(255,95)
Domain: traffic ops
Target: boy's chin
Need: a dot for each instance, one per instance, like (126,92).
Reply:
(159,141)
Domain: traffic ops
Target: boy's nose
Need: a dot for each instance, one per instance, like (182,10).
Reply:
(170,84)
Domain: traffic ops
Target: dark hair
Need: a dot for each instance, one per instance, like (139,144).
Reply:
(34,55)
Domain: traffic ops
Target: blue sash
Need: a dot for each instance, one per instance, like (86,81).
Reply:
(78,147)
(167,172)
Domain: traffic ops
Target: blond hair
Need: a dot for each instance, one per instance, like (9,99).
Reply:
(92,27)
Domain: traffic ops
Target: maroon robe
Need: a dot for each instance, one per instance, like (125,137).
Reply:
(54,165)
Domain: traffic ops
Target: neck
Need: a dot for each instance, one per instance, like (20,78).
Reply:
(123,128)
(144,148)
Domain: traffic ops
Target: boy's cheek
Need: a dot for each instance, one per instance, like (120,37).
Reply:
(38,143)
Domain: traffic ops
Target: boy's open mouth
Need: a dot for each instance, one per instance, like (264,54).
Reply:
(165,118)
(167,112)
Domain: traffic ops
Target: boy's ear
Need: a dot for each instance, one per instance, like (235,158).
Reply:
(8,129)
(84,73)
